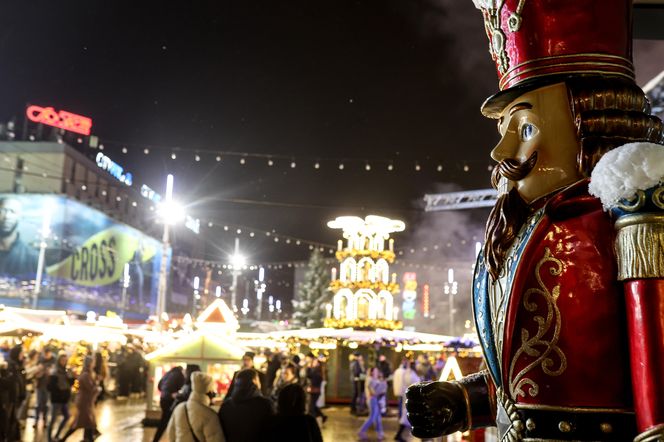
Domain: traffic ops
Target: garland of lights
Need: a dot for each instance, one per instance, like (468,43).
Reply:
(292,161)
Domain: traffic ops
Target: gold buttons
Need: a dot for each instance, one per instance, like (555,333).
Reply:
(564,426)
(606,427)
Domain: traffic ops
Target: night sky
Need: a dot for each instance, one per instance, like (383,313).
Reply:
(361,80)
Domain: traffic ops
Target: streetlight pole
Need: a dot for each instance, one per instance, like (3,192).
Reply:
(163,269)
(451,289)
(237,263)
(45,232)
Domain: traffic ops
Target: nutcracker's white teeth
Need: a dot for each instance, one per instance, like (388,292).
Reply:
(504,186)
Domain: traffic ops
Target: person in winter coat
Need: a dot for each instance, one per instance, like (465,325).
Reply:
(316,376)
(168,386)
(184,392)
(376,387)
(244,415)
(59,385)
(287,376)
(17,395)
(46,363)
(248,362)
(85,402)
(404,377)
(291,424)
(194,420)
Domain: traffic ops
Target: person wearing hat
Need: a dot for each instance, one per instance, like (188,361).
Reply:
(248,362)
(194,419)
(579,163)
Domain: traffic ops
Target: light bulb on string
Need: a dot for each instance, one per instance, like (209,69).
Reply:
(173,156)
(390,167)
(316,165)
(226,228)
(101,146)
(197,158)
(239,231)
(341,166)
(439,168)
(292,164)
(489,167)
(251,234)
(466,168)
(218,158)
(124,149)
(242,161)
(417,167)
(146,151)
(270,162)
(367,167)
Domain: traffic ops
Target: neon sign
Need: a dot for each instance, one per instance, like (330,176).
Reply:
(62,119)
(150,194)
(114,169)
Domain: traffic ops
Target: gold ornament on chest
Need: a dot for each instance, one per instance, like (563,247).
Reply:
(539,349)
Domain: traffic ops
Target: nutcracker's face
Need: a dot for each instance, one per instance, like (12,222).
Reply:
(540,121)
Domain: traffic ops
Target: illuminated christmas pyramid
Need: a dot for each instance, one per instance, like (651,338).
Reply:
(363,292)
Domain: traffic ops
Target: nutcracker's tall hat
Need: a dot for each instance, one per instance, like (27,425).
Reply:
(539,42)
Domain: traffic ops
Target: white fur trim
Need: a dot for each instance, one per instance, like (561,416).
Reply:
(626,169)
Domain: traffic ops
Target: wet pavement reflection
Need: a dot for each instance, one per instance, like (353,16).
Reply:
(121,421)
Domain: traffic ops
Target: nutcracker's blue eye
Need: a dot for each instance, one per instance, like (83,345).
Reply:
(527,132)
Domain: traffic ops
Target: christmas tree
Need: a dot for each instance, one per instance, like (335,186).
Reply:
(313,293)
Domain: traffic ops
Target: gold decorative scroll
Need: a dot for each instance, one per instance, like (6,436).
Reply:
(544,344)
(640,246)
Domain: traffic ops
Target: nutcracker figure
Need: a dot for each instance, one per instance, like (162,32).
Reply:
(568,292)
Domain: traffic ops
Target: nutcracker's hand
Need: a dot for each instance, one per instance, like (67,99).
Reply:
(435,409)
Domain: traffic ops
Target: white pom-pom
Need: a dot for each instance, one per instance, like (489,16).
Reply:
(626,169)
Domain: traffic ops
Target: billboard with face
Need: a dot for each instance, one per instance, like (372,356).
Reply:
(90,261)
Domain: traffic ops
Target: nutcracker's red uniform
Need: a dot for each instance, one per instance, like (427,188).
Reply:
(553,327)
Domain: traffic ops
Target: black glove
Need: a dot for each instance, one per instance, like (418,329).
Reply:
(436,408)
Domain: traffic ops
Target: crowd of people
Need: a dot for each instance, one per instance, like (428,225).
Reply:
(276,403)
(280,400)
(39,383)
(370,388)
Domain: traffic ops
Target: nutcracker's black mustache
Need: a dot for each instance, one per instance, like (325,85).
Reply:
(513,170)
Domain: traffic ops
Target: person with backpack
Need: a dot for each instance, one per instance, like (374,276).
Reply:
(194,420)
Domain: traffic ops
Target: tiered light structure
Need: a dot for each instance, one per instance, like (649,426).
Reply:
(363,292)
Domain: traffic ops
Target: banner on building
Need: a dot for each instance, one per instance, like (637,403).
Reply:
(90,261)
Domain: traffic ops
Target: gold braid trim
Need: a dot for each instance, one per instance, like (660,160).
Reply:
(654,434)
(640,246)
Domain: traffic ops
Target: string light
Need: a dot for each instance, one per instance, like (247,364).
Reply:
(367,167)
(218,158)
(390,167)
(124,149)
(466,168)
(197,158)
(146,151)
(173,156)
(316,165)
(417,167)
(270,163)
(242,161)
(292,164)
(341,166)
(439,168)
